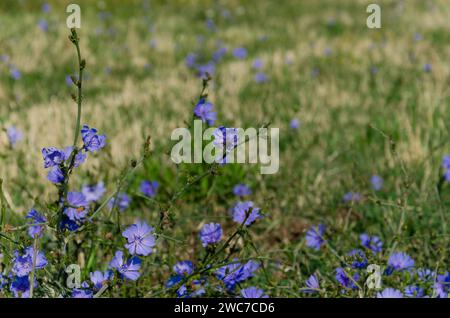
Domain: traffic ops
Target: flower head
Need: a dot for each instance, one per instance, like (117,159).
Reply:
(400,261)
(295,123)
(246,211)
(260,77)
(23,264)
(99,278)
(93,192)
(149,188)
(78,204)
(123,202)
(373,243)
(390,293)
(140,238)
(53,157)
(253,292)
(357,258)
(14,136)
(20,287)
(414,291)
(204,111)
(183,268)
(442,285)
(240,53)
(242,190)
(314,236)
(312,284)
(127,269)
(345,280)
(36,218)
(210,233)
(56,175)
(234,273)
(92,141)
(377,182)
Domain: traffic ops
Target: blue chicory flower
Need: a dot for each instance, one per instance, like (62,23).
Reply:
(92,141)
(127,269)
(149,188)
(36,218)
(246,211)
(253,292)
(314,236)
(140,238)
(210,233)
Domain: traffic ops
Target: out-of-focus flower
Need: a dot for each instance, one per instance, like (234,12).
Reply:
(373,243)
(246,211)
(93,192)
(357,258)
(140,238)
(240,53)
(20,287)
(36,218)
(242,190)
(390,293)
(78,204)
(312,284)
(377,182)
(183,268)
(23,264)
(99,278)
(43,25)
(149,188)
(414,292)
(294,124)
(123,202)
(127,269)
(14,136)
(253,292)
(352,197)
(400,261)
(55,175)
(427,68)
(204,111)
(210,233)
(260,77)
(314,236)
(258,64)
(442,285)
(15,73)
(345,280)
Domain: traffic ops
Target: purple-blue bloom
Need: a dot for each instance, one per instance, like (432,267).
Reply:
(373,243)
(82,293)
(345,280)
(400,261)
(414,291)
(23,264)
(20,287)
(294,124)
(210,233)
(92,141)
(123,202)
(55,175)
(225,139)
(352,197)
(183,268)
(129,269)
(242,190)
(93,192)
(43,25)
(99,278)
(14,136)
(36,218)
(427,68)
(253,292)
(314,236)
(240,53)
(258,64)
(190,60)
(149,188)
(260,77)
(390,293)
(312,284)
(140,238)
(15,73)
(204,111)
(377,182)
(53,156)
(246,211)
(235,273)
(357,259)
(442,285)
(78,206)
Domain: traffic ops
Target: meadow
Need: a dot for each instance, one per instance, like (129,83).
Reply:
(360,204)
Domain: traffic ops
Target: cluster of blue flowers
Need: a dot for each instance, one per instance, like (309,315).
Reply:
(350,275)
